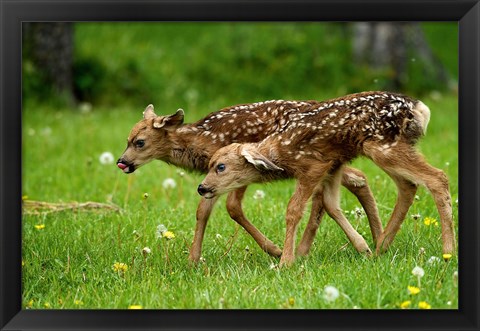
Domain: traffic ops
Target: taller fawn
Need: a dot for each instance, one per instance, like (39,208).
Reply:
(313,147)
(191,146)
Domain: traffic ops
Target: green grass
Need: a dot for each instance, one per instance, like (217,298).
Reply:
(185,64)
(69,263)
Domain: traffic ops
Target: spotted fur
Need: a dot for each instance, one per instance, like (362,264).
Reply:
(315,140)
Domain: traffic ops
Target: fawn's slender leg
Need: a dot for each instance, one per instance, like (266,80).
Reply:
(204,209)
(403,161)
(331,202)
(356,182)
(234,208)
(405,196)
(295,209)
(316,215)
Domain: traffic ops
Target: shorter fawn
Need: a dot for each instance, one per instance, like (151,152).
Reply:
(313,147)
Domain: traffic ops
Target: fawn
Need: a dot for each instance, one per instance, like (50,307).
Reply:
(313,145)
(191,146)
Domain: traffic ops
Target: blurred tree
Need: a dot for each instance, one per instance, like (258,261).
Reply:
(391,46)
(49,47)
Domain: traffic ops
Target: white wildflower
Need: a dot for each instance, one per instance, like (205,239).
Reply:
(106,158)
(259,194)
(218,236)
(330,293)
(146,250)
(161,229)
(46,131)
(418,272)
(181,173)
(416,216)
(169,183)
(85,107)
(357,212)
(433,260)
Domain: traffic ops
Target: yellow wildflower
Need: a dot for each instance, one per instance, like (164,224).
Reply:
(122,267)
(29,304)
(47,305)
(135,307)
(447,257)
(40,226)
(24,197)
(78,303)
(145,195)
(291,301)
(168,235)
(430,221)
(405,304)
(413,290)
(424,305)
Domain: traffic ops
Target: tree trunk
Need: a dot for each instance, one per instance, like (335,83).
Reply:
(50,48)
(389,46)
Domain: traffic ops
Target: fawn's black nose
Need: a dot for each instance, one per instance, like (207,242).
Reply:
(202,189)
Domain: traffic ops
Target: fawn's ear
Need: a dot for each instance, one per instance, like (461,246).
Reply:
(170,120)
(148,113)
(258,160)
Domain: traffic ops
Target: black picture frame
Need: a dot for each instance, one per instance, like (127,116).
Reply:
(14,12)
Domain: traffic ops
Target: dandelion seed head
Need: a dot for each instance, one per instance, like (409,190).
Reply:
(433,260)
(161,229)
(106,158)
(259,194)
(169,183)
(331,293)
(418,272)
(85,107)
(146,250)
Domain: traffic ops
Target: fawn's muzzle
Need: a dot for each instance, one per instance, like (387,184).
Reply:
(205,191)
(125,167)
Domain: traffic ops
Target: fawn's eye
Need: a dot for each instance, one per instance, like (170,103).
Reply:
(220,167)
(140,143)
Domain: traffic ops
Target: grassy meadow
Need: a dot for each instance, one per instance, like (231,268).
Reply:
(93,259)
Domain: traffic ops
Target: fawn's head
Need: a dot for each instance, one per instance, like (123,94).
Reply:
(234,166)
(149,139)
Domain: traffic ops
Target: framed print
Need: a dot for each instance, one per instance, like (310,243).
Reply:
(95,236)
